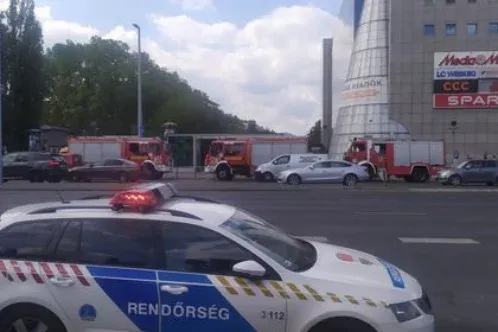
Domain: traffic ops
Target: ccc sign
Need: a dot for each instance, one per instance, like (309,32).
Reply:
(456,86)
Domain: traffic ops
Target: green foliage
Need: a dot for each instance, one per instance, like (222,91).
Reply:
(96,84)
(22,77)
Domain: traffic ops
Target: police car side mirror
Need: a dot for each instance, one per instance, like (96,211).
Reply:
(249,269)
(311,167)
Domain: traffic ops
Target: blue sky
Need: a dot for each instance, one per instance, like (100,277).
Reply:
(105,14)
(262,63)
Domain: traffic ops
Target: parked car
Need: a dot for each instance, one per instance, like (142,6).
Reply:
(269,171)
(108,169)
(470,172)
(328,171)
(34,166)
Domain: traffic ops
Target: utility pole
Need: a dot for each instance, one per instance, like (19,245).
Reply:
(140,126)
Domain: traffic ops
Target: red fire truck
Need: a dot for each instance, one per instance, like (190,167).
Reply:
(414,161)
(228,157)
(149,152)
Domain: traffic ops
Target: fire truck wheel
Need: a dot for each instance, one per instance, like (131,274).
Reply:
(371,172)
(223,173)
(420,174)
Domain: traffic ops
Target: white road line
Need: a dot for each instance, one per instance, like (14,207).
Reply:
(433,240)
(314,238)
(453,190)
(390,213)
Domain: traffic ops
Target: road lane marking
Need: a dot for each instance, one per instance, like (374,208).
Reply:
(314,238)
(454,190)
(391,213)
(434,240)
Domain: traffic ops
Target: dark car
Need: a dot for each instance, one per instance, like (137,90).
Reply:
(471,172)
(109,169)
(34,166)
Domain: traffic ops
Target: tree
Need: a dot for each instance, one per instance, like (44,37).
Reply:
(96,83)
(314,135)
(22,76)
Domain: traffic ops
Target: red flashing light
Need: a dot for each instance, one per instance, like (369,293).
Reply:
(53,163)
(139,200)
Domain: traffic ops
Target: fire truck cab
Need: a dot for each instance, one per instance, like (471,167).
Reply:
(149,152)
(414,161)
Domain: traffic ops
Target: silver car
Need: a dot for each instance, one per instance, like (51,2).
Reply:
(327,171)
(470,172)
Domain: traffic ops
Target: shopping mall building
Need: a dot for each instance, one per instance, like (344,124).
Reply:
(424,70)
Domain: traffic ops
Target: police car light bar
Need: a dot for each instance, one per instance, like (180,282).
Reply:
(143,198)
(141,201)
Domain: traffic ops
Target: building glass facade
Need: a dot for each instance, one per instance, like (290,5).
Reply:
(365,101)
(397,41)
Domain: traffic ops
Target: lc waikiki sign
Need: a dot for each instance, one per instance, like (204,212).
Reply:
(365,91)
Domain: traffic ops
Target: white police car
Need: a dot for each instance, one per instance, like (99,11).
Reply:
(149,259)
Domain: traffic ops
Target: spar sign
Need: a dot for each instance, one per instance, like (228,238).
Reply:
(466,80)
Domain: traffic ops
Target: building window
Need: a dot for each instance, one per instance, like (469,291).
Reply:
(471,1)
(429,3)
(472,29)
(429,30)
(493,28)
(450,29)
(450,2)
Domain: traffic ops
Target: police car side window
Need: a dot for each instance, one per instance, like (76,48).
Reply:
(28,240)
(126,243)
(68,246)
(194,249)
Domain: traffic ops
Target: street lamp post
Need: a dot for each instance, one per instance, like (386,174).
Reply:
(453,128)
(140,126)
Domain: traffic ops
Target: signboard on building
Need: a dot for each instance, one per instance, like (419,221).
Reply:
(466,80)
(365,91)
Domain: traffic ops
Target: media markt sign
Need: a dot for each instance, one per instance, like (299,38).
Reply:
(365,91)
(457,60)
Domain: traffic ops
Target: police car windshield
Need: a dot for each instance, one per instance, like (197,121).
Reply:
(293,254)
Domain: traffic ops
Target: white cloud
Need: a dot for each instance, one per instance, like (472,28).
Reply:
(194,4)
(59,30)
(268,70)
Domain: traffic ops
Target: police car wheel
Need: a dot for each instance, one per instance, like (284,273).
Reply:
(29,318)
(342,325)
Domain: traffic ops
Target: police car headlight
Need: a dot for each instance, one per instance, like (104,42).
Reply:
(405,311)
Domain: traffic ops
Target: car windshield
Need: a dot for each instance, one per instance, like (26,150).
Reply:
(293,254)
(463,164)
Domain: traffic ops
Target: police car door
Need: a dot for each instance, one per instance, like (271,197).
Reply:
(107,280)
(199,291)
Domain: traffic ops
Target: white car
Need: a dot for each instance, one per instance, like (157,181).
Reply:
(149,259)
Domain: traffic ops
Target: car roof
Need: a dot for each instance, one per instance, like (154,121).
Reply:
(178,208)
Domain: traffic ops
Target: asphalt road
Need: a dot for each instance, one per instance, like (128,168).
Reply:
(460,276)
